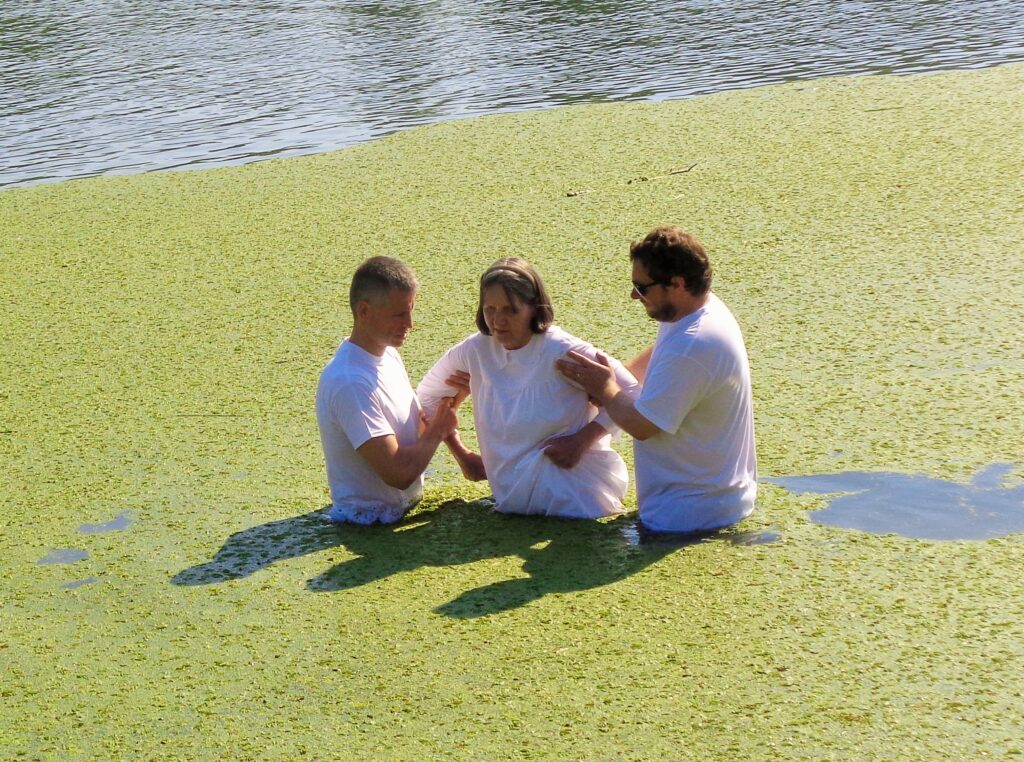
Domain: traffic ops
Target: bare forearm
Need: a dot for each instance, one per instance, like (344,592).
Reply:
(638,365)
(456,447)
(471,464)
(600,382)
(400,466)
(623,411)
(589,434)
(410,462)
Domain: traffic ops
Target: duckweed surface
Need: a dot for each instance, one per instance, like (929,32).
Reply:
(162,338)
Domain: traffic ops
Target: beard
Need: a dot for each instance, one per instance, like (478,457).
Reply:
(666,313)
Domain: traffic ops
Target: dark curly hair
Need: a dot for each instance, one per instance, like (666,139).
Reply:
(669,252)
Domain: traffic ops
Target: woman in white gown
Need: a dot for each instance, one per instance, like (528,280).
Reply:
(543,447)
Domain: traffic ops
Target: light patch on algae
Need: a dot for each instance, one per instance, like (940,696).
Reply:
(162,337)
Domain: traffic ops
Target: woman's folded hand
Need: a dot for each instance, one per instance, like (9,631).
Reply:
(565,451)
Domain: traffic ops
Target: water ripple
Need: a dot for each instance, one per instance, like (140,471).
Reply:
(104,86)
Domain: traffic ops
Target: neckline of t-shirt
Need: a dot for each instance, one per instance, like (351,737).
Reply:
(362,353)
(687,320)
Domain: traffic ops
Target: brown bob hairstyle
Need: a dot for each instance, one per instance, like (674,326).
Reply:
(521,283)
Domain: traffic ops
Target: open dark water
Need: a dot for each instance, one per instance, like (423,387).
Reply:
(92,87)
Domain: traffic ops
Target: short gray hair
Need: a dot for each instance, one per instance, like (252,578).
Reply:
(376,277)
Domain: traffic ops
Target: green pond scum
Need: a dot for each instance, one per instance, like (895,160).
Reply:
(162,336)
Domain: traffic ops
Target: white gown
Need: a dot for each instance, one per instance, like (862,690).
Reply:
(519,401)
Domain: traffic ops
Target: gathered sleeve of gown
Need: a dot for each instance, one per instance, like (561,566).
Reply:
(432,389)
(623,378)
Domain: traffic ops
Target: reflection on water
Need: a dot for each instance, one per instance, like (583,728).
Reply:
(101,86)
(635,534)
(918,506)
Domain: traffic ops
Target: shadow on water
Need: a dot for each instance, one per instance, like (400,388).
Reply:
(917,506)
(577,556)
(559,555)
(247,552)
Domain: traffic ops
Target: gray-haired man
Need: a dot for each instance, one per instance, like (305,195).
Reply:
(375,442)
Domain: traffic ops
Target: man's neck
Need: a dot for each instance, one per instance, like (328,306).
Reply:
(366,343)
(690,304)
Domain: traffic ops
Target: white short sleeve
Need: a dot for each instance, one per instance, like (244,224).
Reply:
(666,399)
(360,413)
(432,389)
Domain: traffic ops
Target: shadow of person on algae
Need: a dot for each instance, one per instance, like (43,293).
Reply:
(560,555)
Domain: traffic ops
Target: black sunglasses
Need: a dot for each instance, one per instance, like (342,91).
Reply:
(642,288)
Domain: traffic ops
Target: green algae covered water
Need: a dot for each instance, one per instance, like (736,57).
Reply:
(163,334)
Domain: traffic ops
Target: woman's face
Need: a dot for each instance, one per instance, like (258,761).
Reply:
(507,319)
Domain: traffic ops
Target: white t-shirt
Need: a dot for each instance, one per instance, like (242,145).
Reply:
(360,397)
(700,471)
(519,401)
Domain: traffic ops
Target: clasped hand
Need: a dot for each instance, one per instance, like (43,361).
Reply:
(444,422)
(565,451)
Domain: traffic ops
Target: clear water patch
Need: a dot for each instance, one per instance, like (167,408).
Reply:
(116,524)
(63,556)
(915,505)
(79,583)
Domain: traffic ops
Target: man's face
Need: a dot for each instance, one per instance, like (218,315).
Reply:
(653,294)
(391,320)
